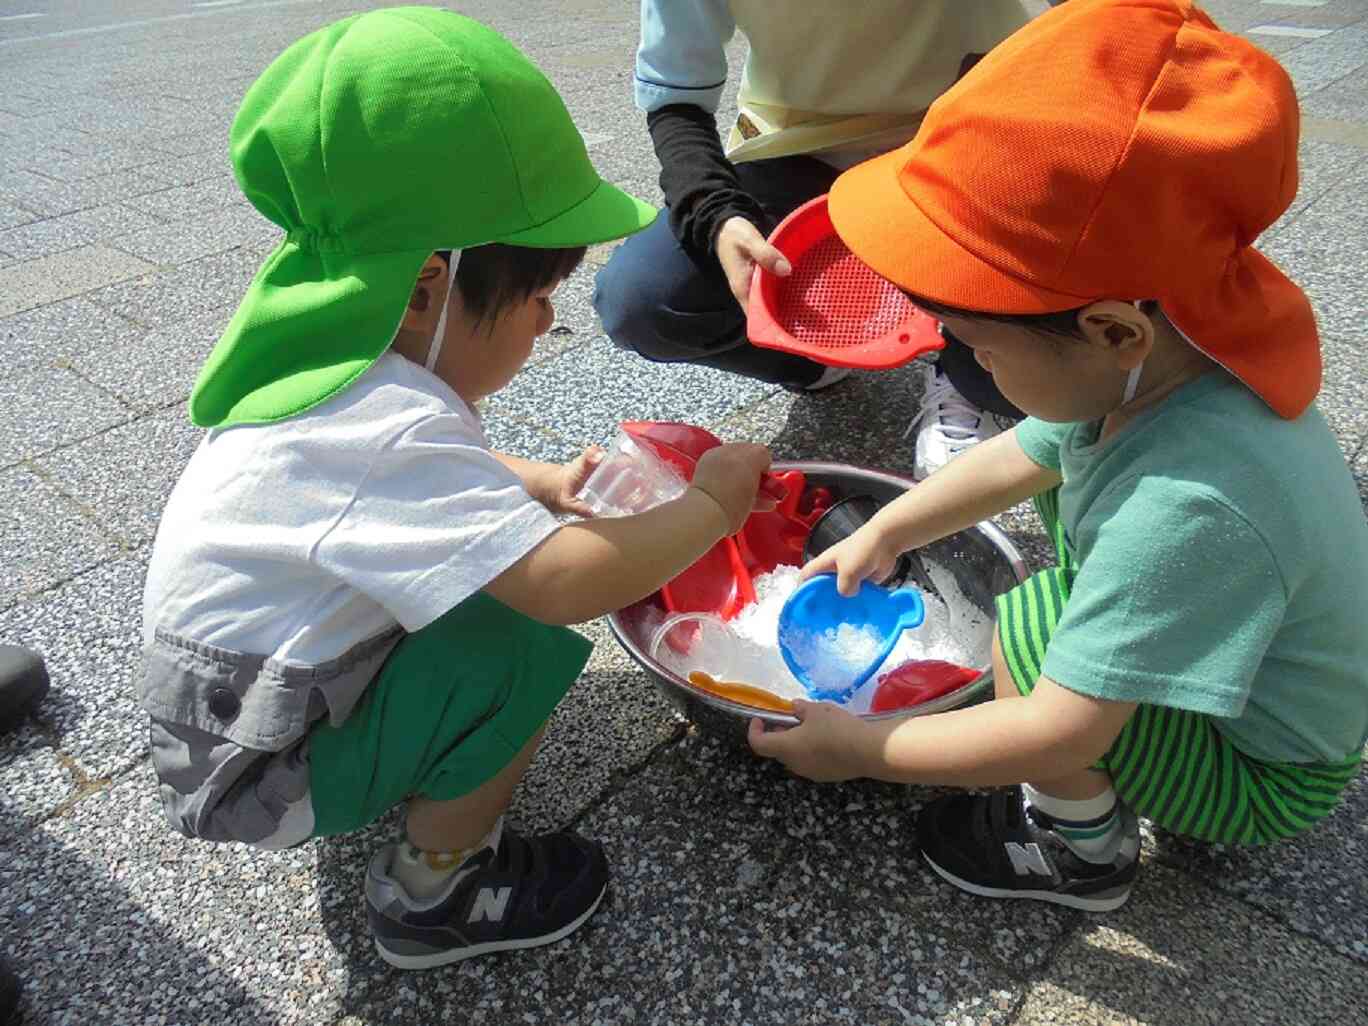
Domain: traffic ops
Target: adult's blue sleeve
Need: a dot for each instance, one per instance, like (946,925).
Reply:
(682,56)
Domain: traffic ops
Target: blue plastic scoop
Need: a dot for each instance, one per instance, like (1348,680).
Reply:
(833,643)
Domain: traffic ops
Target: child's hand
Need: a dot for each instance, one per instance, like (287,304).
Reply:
(865,555)
(825,746)
(560,491)
(730,474)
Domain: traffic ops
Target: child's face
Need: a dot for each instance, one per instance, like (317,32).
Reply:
(479,358)
(1050,377)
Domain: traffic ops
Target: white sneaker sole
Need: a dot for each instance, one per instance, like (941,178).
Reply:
(438,958)
(1085,904)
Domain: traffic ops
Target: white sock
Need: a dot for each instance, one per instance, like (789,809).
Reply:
(425,874)
(1089,826)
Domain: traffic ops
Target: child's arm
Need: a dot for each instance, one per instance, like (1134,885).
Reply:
(1049,734)
(991,477)
(555,485)
(589,568)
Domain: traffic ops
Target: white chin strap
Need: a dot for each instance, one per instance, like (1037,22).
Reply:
(1133,378)
(435,347)
(1132,383)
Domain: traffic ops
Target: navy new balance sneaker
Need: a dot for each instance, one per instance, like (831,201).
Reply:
(998,846)
(529,891)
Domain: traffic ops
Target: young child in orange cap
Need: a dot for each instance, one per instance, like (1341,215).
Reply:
(1080,210)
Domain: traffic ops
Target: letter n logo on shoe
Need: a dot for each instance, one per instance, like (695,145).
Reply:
(489,904)
(1027,858)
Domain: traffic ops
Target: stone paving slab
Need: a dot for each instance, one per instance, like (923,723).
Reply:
(36,282)
(89,632)
(124,476)
(583,393)
(1186,956)
(1302,882)
(157,366)
(170,295)
(37,782)
(45,540)
(714,920)
(55,234)
(165,931)
(51,407)
(53,335)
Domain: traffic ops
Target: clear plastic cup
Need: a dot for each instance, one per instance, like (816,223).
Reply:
(630,479)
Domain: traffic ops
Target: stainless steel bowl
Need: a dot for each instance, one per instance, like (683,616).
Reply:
(981,561)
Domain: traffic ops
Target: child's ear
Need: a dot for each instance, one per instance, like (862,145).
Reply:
(428,291)
(1121,328)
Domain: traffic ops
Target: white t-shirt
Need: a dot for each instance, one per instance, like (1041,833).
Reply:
(299,539)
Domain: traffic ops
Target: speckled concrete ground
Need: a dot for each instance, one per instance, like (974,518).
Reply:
(741,895)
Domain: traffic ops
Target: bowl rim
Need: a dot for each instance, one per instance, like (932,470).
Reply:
(950,700)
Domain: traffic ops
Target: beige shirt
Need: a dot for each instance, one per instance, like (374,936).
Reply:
(832,79)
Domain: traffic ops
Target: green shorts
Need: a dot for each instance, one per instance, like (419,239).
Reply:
(1172,766)
(452,705)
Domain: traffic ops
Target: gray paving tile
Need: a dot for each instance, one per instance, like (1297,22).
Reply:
(213,935)
(45,538)
(730,919)
(123,477)
(49,407)
(108,157)
(35,782)
(35,282)
(12,216)
(199,235)
(1335,14)
(1323,168)
(55,234)
(53,335)
(173,294)
(52,197)
(606,726)
(584,394)
(1345,99)
(1322,61)
(89,631)
(1322,252)
(1312,883)
(518,437)
(187,144)
(183,201)
(156,367)
(836,424)
(1184,955)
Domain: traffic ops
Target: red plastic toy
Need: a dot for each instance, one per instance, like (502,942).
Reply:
(833,308)
(918,681)
(721,581)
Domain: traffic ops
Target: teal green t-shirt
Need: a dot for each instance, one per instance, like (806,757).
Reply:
(1223,568)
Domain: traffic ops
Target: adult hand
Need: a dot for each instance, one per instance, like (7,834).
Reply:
(730,474)
(865,555)
(740,246)
(825,746)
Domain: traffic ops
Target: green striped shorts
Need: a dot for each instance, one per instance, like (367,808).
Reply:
(1171,766)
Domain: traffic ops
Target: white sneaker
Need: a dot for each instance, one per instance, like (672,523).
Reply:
(947,424)
(829,377)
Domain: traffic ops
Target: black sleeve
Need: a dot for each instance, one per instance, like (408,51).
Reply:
(700,184)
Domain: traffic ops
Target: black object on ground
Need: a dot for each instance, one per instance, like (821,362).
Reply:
(23,681)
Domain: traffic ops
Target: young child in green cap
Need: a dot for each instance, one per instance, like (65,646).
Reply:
(352,602)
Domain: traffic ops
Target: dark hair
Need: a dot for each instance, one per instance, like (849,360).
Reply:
(495,277)
(1061,323)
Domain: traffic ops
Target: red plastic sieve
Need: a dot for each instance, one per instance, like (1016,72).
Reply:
(833,308)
